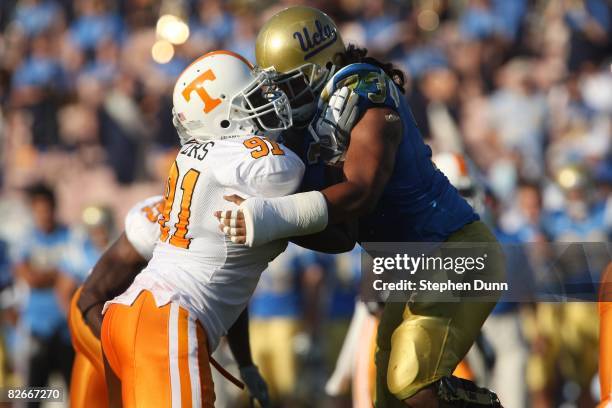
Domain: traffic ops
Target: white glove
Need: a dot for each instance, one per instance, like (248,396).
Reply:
(256,385)
(333,127)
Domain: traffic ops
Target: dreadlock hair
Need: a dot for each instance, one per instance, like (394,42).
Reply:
(354,54)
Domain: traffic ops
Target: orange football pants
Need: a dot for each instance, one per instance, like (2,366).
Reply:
(87,385)
(605,337)
(160,354)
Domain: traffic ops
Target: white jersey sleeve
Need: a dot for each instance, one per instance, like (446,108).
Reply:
(275,174)
(141,227)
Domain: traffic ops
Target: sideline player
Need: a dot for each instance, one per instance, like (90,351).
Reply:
(390,186)
(158,334)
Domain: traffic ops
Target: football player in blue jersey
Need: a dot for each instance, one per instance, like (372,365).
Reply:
(365,130)
(580,219)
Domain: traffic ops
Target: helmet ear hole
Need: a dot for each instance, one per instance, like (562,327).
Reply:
(225,123)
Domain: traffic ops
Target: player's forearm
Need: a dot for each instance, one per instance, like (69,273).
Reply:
(113,274)
(309,213)
(334,239)
(238,340)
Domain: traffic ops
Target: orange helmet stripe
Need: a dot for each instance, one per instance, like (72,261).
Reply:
(226,52)
(463,169)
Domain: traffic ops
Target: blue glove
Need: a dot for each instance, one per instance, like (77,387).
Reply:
(256,385)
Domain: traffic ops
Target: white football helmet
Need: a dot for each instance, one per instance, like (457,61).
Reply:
(456,169)
(220,96)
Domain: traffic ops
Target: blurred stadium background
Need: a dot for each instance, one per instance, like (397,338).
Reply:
(521,88)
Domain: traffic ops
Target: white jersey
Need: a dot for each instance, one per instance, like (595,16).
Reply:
(142,227)
(194,263)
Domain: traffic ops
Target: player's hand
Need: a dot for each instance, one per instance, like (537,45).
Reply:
(333,127)
(231,222)
(255,384)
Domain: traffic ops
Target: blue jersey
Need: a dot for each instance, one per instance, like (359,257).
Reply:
(418,202)
(343,276)
(80,257)
(42,313)
(6,277)
(559,226)
(519,271)
(279,291)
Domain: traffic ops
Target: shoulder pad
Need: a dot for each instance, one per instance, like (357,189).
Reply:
(370,82)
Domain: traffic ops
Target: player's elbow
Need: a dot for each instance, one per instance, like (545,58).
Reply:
(342,245)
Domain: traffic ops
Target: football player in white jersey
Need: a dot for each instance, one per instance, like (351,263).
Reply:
(112,274)
(158,334)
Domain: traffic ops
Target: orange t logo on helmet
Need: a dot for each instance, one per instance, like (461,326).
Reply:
(196,85)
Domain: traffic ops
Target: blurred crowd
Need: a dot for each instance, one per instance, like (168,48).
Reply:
(521,88)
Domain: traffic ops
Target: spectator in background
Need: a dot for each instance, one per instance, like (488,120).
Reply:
(590,25)
(380,22)
(88,242)
(522,218)
(438,88)
(6,278)
(43,315)
(95,23)
(212,24)
(34,17)
(241,39)
(37,85)
(479,20)
(493,18)
(518,117)
(582,219)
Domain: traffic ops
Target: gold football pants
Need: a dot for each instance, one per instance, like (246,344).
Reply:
(420,342)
